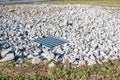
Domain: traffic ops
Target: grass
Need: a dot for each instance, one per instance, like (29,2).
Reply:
(107,71)
(108,3)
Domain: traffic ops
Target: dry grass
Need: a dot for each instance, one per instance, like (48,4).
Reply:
(106,71)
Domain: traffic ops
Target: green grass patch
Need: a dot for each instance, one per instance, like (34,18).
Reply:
(107,71)
(107,3)
(9,64)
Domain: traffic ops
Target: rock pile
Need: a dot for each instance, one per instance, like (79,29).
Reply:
(93,33)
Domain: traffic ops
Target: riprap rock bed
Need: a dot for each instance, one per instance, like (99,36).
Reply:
(93,33)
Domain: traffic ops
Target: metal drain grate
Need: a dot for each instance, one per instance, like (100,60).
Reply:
(50,41)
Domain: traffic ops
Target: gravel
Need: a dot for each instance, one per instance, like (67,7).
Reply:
(93,33)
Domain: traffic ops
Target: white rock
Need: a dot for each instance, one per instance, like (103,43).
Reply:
(4,52)
(91,62)
(30,56)
(76,51)
(86,58)
(92,57)
(99,62)
(8,57)
(36,60)
(51,65)
(48,55)
(81,63)
(102,53)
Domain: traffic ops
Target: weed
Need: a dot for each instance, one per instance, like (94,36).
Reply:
(63,72)
(9,64)
(27,62)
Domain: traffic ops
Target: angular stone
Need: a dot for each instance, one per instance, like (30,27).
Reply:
(51,65)
(91,62)
(69,23)
(8,57)
(30,56)
(4,52)
(36,60)
(49,55)
(82,62)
